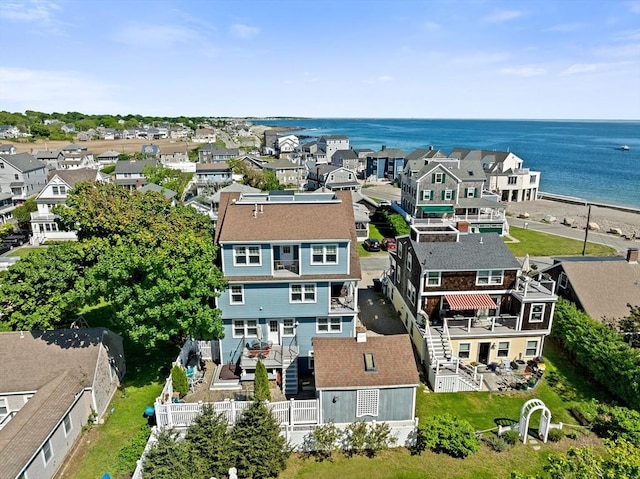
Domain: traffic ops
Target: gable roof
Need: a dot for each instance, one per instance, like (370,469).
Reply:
(593,281)
(166,192)
(213,166)
(280,164)
(173,149)
(388,153)
(133,166)
(339,362)
(74,146)
(71,177)
(233,188)
(23,162)
(467,254)
(345,155)
(109,154)
(47,154)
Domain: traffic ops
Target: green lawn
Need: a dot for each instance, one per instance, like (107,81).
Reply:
(143,383)
(536,243)
(24,251)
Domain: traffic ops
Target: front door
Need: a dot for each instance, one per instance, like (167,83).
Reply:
(286,254)
(483,353)
(273,335)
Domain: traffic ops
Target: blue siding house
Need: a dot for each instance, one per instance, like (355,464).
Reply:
(387,163)
(292,267)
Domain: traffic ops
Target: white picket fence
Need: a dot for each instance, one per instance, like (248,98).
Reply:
(287,413)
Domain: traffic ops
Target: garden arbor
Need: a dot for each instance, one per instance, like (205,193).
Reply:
(528,408)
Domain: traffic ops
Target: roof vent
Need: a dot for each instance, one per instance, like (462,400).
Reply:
(481,240)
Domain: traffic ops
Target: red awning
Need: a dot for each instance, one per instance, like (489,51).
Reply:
(458,302)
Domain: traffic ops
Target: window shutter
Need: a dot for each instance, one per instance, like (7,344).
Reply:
(442,194)
(475,192)
(444,177)
(433,178)
(466,192)
(453,194)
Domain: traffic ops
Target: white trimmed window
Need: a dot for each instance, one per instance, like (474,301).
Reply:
(66,425)
(503,349)
(537,313)
(54,190)
(438,178)
(489,277)
(464,350)
(245,327)
(47,452)
(302,293)
(329,325)
(367,402)
(532,348)
(433,278)
(563,280)
(246,256)
(324,254)
(409,262)
(411,292)
(236,293)
(448,195)
(512,180)
(427,195)
(288,327)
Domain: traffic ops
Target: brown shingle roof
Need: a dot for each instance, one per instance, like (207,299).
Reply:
(339,362)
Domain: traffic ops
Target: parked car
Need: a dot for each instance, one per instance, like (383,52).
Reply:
(16,239)
(389,244)
(371,244)
(4,247)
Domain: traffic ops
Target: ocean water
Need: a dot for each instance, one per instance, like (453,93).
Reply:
(575,158)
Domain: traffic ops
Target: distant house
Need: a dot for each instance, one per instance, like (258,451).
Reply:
(368,378)
(211,153)
(287,172)
(385,164)
(176,157)
(22,175)
(212,201)
(74,148)
(347,159)
(9,131)
(83,136)
(270,142)
(204,135)
(43,221)
(329,144)
(602,287)
(53,158)
(150,150)
(68,128)
(7,149)
(129,173)
(166,192)
(77,160)
(6,207)
(286,144)
(464,301)
(505,173)
(211,176)
(108,157)
(50,383)
(331,177)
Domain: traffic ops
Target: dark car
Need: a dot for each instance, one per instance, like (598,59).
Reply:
(16,239)
(371,244)
(4,247)
(389,244)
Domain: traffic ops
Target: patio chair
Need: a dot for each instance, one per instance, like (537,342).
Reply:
(506,366)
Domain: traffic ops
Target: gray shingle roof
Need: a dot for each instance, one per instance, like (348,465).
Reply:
(468,254)
(132,166)
(23,162)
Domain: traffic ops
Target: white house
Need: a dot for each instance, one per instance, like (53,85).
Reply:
(22,175)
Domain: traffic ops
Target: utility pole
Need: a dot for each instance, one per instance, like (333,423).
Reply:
(586,231)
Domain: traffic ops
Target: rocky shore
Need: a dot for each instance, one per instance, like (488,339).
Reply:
(603,219)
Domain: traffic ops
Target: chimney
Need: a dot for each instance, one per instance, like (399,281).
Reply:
(632,256)
(361,337)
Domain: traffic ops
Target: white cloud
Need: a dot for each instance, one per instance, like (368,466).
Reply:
(500,16)
(524,71)
(244,32)
(380,79)
(579,68)
(47,90)
(477,59)
(566,27)
(40,11)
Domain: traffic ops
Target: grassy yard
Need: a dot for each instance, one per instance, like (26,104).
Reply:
(99,449)
(482,410)
(24,251)
(536,243)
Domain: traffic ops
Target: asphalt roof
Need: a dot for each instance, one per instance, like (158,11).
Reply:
(339,362)
(23,162)
(470,252)
(71,177)
(133,166)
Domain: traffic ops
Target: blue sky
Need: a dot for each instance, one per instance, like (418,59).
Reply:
(562,59)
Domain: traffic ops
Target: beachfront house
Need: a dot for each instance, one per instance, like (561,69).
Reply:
(506,176)
(331,177)
(290,278)
(329,144)
(465,302)
(446,191)
(386,164)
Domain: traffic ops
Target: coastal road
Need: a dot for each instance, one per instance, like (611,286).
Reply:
(385,191)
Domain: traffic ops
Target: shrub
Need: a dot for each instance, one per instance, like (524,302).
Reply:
(618,422)
(355,438)
(572,435)
(324,440)
(379,438)
(511,437)
(179,380)
(261,391)
(555,435)
(131,452)
(450,435)
(497,443)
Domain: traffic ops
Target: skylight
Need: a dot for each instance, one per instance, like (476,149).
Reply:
(369,362)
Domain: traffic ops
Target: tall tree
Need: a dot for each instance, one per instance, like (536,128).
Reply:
(22,214)
(261,391)
(169,458)
(210,443)
(260,451)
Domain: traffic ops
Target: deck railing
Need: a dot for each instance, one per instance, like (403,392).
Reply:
(488,323)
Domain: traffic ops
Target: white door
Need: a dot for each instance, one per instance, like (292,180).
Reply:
(273,336)
(286,254)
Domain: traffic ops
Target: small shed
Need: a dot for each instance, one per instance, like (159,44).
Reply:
(365,378)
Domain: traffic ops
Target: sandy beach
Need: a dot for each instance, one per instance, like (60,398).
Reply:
(606,218)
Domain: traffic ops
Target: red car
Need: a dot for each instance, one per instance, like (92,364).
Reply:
(389,244)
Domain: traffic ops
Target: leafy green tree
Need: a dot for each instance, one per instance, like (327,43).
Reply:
(259,450)
(261,391)
(45,288)
(210,442)
(39,131)
(22,214)
(179,380)
(271,182)
(124,157)
(450,435)
(169,458)
(175,180)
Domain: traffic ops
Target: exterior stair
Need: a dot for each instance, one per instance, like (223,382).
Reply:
(290,378)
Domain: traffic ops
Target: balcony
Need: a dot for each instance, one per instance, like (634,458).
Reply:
(271,355)
(481,325)
(529,288)
(286,268)
(342,304)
